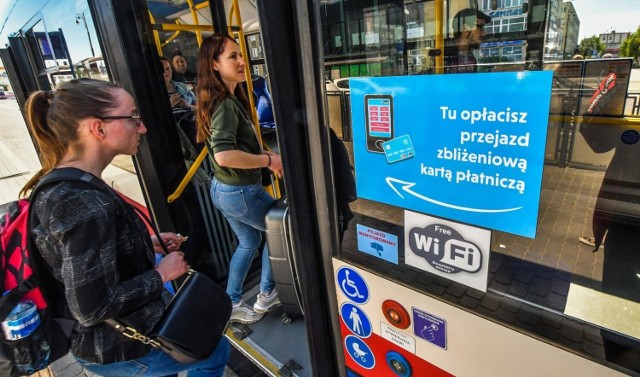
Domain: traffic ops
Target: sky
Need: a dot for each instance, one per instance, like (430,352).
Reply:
(602,16)
(596,17)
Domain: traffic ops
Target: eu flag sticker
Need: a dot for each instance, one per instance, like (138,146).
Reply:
(398,149)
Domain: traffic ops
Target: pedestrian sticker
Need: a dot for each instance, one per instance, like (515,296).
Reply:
(353,285)
(359,352)
(380,244)
(356,320)
(430,328)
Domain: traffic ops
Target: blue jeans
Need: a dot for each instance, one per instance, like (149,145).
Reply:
(158,364)
(245,208)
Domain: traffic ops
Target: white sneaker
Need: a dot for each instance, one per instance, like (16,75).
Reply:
(266,301)
(242,314)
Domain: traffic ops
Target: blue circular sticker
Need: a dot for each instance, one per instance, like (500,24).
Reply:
(352,285)
(359,352)
(356,320)
(630,137)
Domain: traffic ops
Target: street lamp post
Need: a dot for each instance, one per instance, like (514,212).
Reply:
(80,16)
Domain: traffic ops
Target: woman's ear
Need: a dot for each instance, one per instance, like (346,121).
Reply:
(97,128)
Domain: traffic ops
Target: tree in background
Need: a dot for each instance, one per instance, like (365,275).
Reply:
(631,46)
(588,45)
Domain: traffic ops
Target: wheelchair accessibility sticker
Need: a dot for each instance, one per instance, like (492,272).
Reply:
(353,285)
(359,352)
(356,320)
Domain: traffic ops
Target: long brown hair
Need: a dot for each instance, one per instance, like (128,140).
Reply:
(211,90)
(53,118)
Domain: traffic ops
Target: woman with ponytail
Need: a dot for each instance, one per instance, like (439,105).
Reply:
(94,246)
(224,124)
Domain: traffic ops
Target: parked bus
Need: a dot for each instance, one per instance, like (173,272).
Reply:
(495,231)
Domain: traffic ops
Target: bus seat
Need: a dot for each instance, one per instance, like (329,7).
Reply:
(263,102)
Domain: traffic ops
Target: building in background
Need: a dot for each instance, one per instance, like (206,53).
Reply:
(613,41)
(570,30)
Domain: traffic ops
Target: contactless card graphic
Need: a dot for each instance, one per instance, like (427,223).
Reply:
(398,149)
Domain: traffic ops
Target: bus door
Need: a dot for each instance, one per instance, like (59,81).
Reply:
(471,251)
(51,42)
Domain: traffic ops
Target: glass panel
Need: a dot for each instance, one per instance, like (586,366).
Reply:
(590,179)
(65,42)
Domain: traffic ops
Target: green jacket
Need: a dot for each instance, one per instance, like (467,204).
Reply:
(231,128)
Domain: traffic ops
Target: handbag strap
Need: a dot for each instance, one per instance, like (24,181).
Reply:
(134,334)
(153,226)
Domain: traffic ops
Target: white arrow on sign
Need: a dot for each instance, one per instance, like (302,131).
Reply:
(406,186)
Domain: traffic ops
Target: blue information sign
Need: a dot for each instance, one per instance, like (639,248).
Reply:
(377,243)
(356,320)
(352,285)
(360,352)
(430,328)
(467,147)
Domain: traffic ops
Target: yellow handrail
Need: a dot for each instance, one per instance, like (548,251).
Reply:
(156,36)
(192,170)
(274,188)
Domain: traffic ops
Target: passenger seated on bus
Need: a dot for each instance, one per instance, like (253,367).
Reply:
(181,71)
(238,159)
(110,274)
(182,102)
(468,30)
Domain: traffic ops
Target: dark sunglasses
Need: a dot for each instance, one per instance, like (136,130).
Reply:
(480,26)
(135,117)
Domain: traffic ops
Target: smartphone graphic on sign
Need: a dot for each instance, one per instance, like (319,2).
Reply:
(378,109)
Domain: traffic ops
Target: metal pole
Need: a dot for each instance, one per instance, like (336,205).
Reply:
(84,20)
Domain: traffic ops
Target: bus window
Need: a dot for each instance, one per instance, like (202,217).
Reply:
(580,265)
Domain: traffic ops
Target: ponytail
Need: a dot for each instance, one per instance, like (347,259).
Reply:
(50,147)
(53,118)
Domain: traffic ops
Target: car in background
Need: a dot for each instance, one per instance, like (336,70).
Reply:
(3,96)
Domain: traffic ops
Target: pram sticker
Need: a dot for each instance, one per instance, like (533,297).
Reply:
(398,149)
(352,285)
(378,243)
(359,352)
(429,327)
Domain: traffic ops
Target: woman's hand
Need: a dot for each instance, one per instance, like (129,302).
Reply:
(172,266)
(276,163)
(183,103)
(175,99)
(172,240)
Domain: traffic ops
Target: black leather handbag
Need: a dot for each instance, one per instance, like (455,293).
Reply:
(195,320)
(193,323)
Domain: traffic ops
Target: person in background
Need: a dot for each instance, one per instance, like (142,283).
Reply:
(224,124)
(181,72)
(182,102)
(180,96)
(468,31)
(110,274)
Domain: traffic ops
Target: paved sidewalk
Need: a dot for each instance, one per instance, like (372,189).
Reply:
(18,162)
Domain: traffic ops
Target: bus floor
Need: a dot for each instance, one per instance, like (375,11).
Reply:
(278,348)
